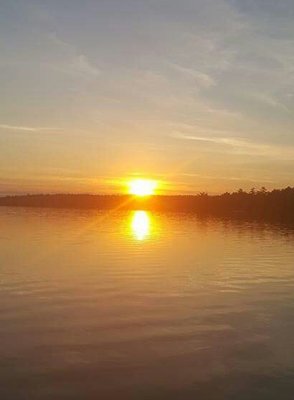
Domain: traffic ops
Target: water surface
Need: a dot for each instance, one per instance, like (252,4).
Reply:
(97,305)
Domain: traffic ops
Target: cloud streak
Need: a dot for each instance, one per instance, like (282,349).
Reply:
(22,128)
(242,146)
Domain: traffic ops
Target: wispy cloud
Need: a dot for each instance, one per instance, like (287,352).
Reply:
(217,140)
(73,62)
(202,78)
(270,100)
(243,146)
(226,178)
(76,66)
(22,128)
(83,65)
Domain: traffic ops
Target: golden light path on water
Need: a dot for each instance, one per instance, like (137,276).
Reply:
(141,225)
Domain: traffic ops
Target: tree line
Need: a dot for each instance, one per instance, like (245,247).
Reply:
(255,202)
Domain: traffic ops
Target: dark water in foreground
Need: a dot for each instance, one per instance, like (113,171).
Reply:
(140,306)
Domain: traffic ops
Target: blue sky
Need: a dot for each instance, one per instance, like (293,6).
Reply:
(196,93)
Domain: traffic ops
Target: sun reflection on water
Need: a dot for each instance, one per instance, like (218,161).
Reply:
(141,225)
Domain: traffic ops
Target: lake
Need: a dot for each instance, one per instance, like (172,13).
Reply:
(135,305)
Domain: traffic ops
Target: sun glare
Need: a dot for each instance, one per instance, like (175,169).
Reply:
(141,225)
(142,187)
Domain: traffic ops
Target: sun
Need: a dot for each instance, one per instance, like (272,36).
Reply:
(142,187)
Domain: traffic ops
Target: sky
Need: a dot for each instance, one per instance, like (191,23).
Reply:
(197,94)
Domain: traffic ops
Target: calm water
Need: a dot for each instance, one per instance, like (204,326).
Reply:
(144,306)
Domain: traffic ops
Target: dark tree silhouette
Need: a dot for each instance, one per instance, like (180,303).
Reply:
(255,203)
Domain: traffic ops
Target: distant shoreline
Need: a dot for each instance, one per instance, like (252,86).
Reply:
(256,203)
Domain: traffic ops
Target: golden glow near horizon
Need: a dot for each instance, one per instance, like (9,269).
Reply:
(140,225)
(142,187)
